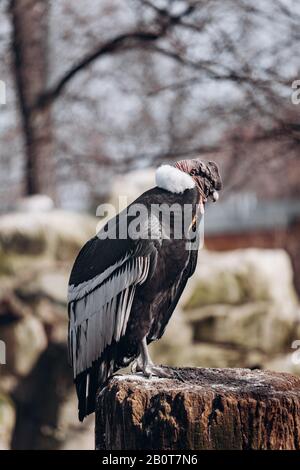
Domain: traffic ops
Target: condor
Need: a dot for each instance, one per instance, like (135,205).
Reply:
(123,290)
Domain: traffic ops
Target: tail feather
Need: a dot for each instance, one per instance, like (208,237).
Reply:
(87,384)
(80,382)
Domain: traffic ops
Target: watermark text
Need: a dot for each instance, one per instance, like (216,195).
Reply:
(2,92)
(296,94)
(2,352)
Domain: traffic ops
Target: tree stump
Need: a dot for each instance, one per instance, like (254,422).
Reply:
(200,409)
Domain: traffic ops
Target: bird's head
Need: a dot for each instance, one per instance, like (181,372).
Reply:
(206,176)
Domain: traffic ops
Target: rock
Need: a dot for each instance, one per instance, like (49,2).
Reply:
(35,203)
(241,276)
(11,308)
(233,301)
(260,326)
(7,421)
(177,337)
(36,253)
(51,284)
(54,318)
(25,339)
(132,185)
(177,348)
(41,398)
(206,354)
(75,435)
(200,409)
(44,292)
(32,239)
(80,437)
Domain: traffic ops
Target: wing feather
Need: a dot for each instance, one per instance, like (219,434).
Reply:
(99,313)
(171,297)
(101,292)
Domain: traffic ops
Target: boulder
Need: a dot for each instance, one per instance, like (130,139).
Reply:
(234,301)
(177,337)
(261,326)
(231,314)
(207,354)
(29,239)
(41,397)
(35,203)
(241,276)
(130,186)
(50,284)
(25,339)
(73,434)
(37,249)
(125,189)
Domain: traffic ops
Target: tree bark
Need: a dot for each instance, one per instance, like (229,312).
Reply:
(200,409)
(29,39)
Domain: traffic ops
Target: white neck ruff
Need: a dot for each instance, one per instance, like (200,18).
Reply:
(172,179)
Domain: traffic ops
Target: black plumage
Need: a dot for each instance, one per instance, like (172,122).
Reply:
(123,290)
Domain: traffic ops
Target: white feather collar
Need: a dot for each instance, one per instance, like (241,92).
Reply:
(172,179)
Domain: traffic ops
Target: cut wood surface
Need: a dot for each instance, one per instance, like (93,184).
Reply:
(200,409)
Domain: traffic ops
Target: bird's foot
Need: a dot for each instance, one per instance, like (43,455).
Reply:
(148,369)
(144,364)
(152,370)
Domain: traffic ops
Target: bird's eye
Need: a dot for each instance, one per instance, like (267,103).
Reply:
(193,172)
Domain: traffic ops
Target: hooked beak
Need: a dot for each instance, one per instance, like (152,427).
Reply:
(214,196)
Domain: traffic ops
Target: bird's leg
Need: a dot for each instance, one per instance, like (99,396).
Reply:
(145,359)
(148,368)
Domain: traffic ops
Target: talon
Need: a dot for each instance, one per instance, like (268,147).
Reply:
(161,372)
(152,370)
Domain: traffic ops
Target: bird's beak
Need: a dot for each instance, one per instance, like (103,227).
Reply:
(215,196)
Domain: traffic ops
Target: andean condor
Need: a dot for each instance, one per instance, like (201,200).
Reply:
(125,284)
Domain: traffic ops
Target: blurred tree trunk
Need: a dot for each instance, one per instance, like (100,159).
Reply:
(29,41)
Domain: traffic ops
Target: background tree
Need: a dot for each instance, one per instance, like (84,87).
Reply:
(117,86)
(30,52)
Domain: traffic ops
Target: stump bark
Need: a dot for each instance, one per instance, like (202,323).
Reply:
(200,409)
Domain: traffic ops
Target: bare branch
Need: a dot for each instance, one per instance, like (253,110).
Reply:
(124,41)
(121,42)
